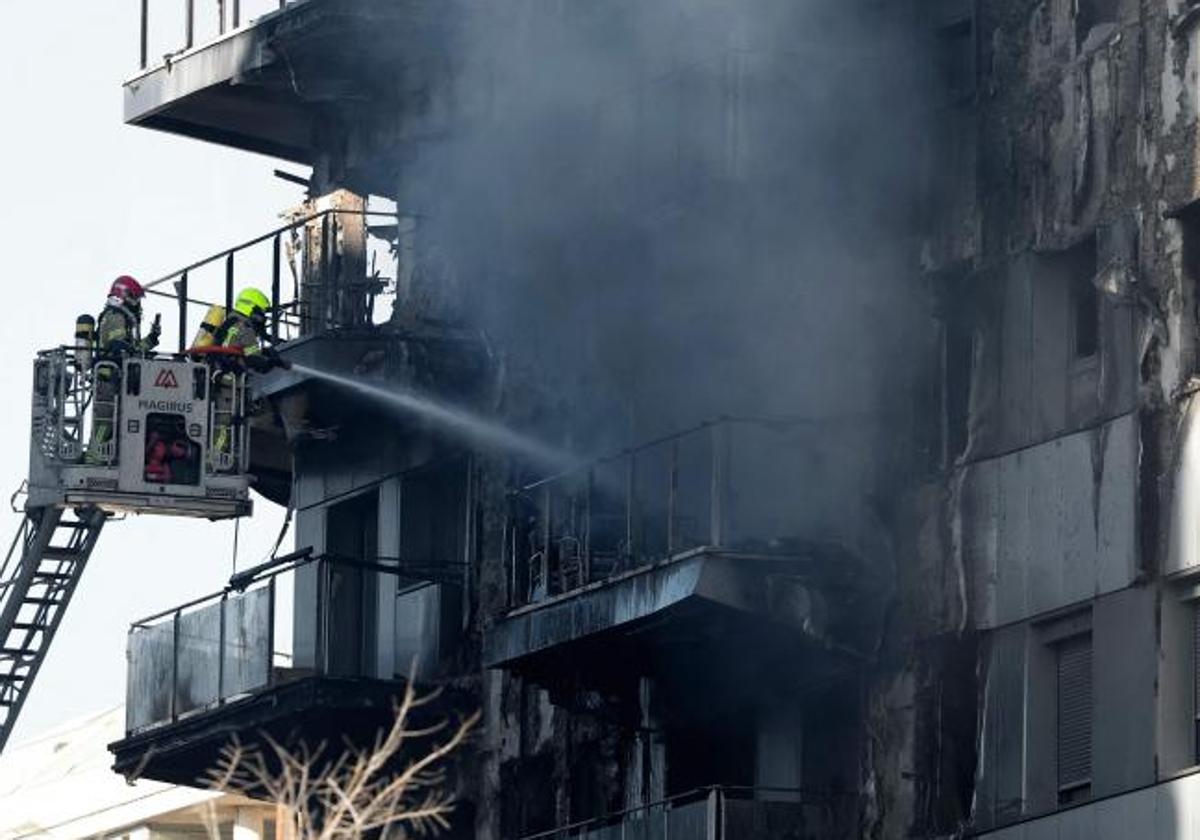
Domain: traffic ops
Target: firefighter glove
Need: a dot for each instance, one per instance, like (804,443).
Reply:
(155,332)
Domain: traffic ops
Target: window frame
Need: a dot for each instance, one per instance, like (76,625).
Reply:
(1043,791)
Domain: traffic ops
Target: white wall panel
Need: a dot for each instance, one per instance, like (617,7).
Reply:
(1184,549)
(1053,525)
(1169,811)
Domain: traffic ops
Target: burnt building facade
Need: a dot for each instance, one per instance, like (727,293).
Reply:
(812,445)
(1063,258)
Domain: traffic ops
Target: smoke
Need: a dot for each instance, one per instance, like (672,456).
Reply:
(666,212)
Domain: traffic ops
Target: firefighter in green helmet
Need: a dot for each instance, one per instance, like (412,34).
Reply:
(244,329)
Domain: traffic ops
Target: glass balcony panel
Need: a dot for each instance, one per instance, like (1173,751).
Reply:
(637,827)
(418,618)
(198,670)
(689,821)
(770,820)
(612,832)
(247,653)
(610,548)
(655,825)
(734,484)
(259,646)
(147,692)
(693,495)
(764,814)
(652,494)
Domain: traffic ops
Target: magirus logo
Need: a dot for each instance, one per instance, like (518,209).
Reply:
(166,379)
(168,406)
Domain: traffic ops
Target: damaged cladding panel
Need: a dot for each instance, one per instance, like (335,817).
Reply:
(610,624)
(1071,508)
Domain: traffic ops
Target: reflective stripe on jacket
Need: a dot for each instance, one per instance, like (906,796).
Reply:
(238,331)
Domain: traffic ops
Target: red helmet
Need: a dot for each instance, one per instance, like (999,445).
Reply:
(127,289)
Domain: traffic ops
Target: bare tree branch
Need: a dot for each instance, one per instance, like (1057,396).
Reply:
(357,791)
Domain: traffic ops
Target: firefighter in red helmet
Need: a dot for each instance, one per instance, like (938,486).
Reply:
(119,328)
(118,333)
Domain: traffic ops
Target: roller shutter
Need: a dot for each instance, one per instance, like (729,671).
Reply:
(1075,715)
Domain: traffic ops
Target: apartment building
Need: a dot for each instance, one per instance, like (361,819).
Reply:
(871,327)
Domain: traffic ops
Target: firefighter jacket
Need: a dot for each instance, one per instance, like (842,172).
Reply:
(119,331)
(238,331)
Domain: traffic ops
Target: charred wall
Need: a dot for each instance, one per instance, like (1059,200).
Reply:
(954,242)
(1064,253)
(934,233)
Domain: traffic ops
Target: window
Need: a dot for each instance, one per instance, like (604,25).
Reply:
(432,522)
(433,537)
(1085,299)
(351,534)
(711,753)
(1073,724)
(1093,13)
(959,350)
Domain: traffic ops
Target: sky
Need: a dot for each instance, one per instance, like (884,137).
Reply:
(89,199)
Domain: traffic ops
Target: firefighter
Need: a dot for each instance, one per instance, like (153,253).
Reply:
(118,334)
(246,326)
(245,329)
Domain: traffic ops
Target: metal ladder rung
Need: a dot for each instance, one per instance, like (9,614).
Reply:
(24,626)
(56,552)
(47,576)
(42,601)
(23,653)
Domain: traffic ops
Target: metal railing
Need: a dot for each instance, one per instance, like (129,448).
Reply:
(308,294)
(62,396)
(728,483)
(724,813)
(69,401)
(194,22)
(246,639)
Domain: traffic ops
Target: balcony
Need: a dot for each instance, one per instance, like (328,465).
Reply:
(245,660)
(261,75)
(685,545)
(330,271)
(725,813)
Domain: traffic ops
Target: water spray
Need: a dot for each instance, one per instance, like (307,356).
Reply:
(459,420)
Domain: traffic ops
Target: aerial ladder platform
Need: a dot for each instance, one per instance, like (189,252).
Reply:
(141,434)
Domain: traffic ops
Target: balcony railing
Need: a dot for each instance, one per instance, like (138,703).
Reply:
(246,639)
(309,292)
(725,813)
(733,483)
(169,27)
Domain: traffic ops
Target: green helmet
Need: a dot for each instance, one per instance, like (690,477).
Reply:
(252,303)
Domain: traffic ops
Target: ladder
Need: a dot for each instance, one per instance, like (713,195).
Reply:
(37,579)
